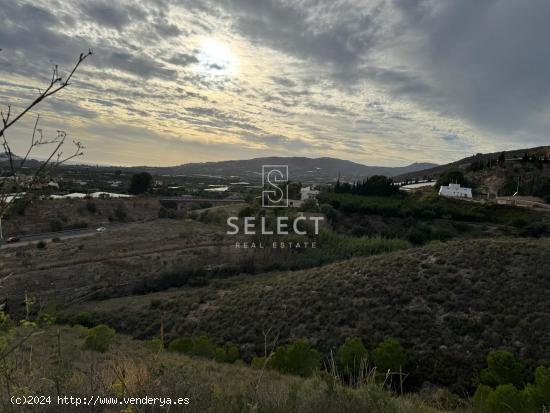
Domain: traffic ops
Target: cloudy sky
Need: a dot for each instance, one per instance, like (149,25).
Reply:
(382,82)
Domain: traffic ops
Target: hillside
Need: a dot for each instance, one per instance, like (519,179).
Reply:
(435,171)
(448,303)
(51,361)
(301,168)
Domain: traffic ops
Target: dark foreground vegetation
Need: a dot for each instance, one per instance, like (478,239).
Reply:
(60,361)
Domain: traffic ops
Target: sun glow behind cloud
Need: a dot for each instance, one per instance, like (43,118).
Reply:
(215,58)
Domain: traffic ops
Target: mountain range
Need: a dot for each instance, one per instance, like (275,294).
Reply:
(300,169)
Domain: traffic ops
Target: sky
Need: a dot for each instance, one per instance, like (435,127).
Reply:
(380,82)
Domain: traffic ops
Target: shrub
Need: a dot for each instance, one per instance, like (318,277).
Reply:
(99,338)
(120,212)
(91,207)
(389,355)
(417,237)
(203,347)
(351,355)
(40,245)
(56,225)
(503,368)
(299,358)
(310,205)
(228,354)
(140,183)
(84,319)
(181,345)
(154,345)
(539,392)
(329,211)
(506,398)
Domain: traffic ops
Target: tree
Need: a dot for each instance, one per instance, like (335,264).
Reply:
(502,368)
(299,358)
(502,159)
(15,182)
(452,177)
(505,398)
(351,356)
(539,392)
(389,355)
(140,183)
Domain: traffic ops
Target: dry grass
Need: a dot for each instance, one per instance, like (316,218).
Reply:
(54,363)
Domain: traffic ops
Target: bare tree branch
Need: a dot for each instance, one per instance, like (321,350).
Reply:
(56,84)
(11,187)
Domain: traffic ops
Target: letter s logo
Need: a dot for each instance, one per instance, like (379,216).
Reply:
(275,177)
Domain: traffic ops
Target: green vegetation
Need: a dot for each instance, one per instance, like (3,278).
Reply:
(99,338)
(389,356)
(203,347)
(52,363)
(453,177)
(298,358)
(140,183)
(427,206)
(351,357)
(375,185)
(502,389)
(448,303)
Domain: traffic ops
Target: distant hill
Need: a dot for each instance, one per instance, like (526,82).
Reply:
(4,157)
(300,168)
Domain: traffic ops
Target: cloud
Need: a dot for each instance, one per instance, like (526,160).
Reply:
(489,60)
(335,33)
(283,81)
(112,14)
(404,78)
(140,65)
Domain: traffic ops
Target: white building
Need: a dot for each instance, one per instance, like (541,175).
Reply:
(308,193)
(455,191)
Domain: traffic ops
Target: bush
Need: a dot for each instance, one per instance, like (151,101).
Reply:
(228,354)
(299,358)
(120,212)
(56,225)
(40,245)
(506,398)
(181,345)
(203,347)
(503,368)
(417,237)
(167,213)
(84,319)
(140,183)
(154,345)
(539,392)
(91,207)
(389,355)
(351,355)
(310,205)
(99,338)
